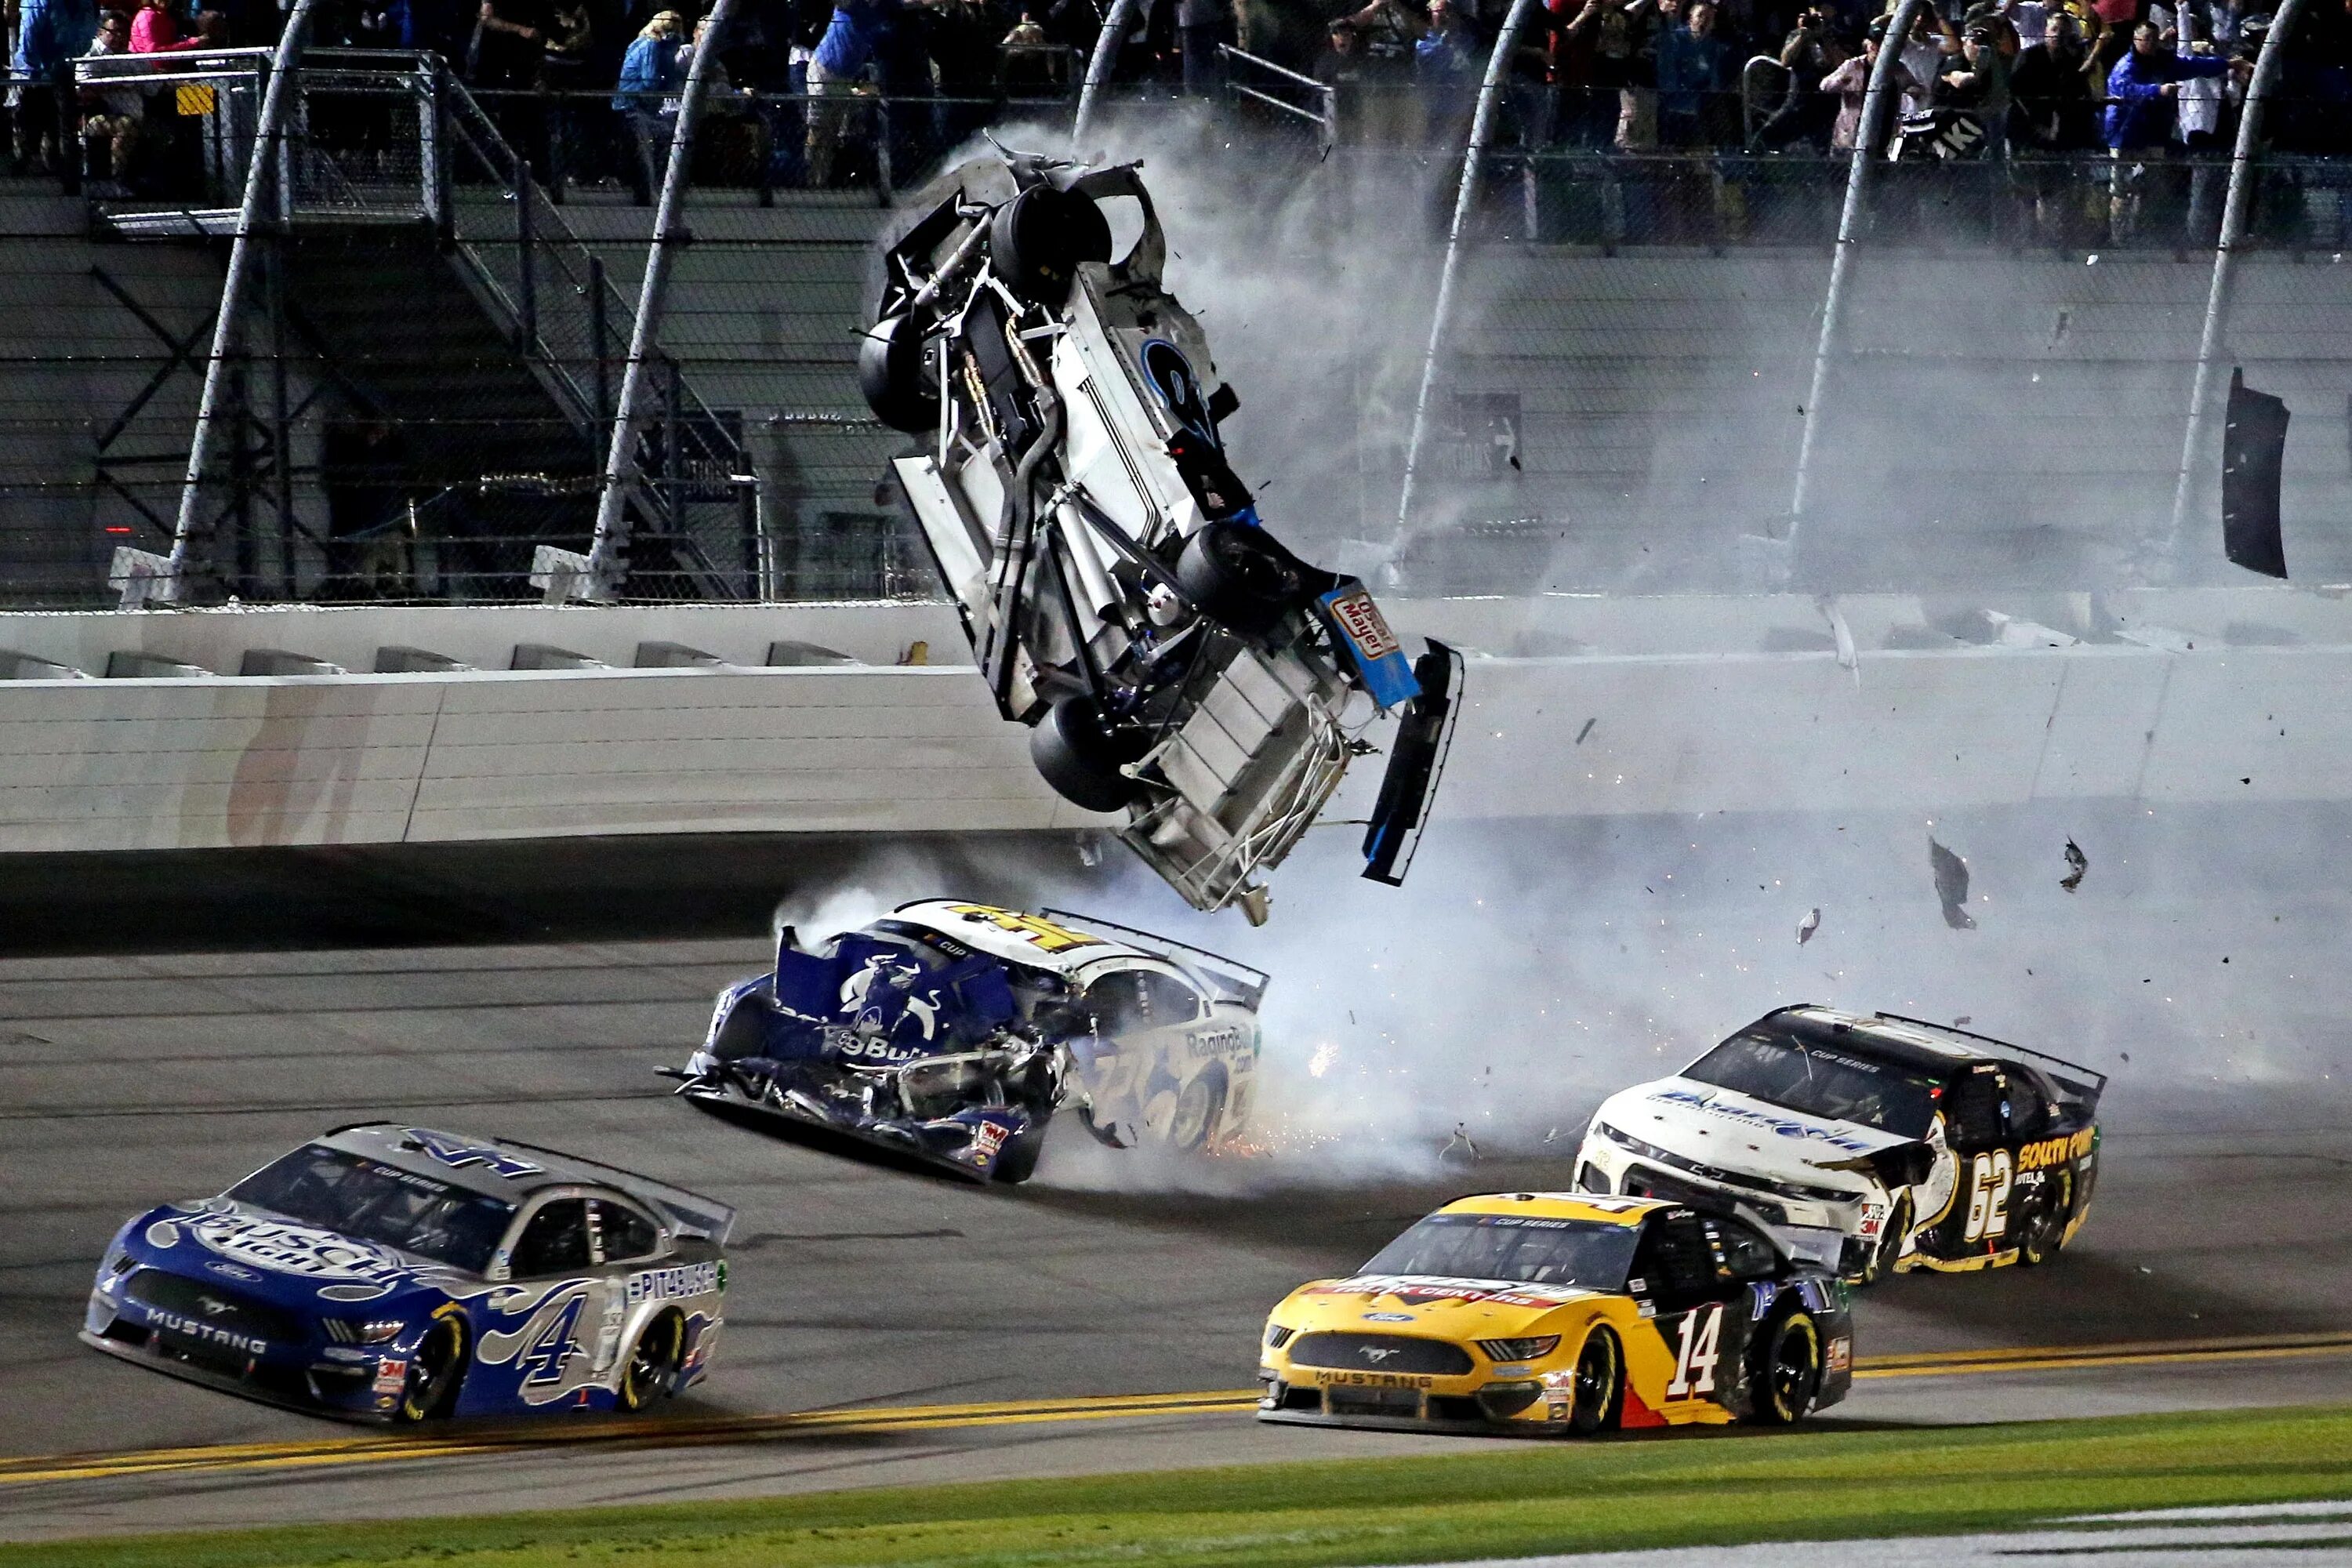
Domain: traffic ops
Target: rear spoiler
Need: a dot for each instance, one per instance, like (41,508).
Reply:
(1234,980)
(2073,1075)
(1416,761)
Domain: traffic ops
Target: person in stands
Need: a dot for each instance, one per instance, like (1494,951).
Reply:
(648,72)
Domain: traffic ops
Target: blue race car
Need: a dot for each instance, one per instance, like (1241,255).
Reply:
(391,1273)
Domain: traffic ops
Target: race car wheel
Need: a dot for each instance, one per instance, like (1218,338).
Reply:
(1080,755)
(1599,1376)
(895,377)
(653,1363)
(435,1373)
(2045,1233)
(1889,1250)
(1036,241)
(1788,1374)
(1197,1110)
(1238,576)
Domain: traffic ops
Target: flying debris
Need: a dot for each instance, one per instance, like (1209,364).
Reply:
(1951,885)
(1460,1146)
(1808,926)
(2076,864)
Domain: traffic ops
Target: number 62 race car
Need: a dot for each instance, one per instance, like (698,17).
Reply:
(1865,1143)
(949,1033)
(392,1273)
(1530,1314)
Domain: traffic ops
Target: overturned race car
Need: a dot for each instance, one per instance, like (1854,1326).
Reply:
(390,1273)
(1177,664)
(949,1033)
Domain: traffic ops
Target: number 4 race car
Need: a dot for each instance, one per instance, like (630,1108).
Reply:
(1530,1314)
(1174,661)
(1865,1143)
(392,1273)
(950,1032)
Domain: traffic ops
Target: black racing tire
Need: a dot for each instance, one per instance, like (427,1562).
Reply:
(1599,1391)
(1017,1160)
(2045,1233)
(436,1372)
(1199,1105)
(894,375)
(647,1377)
(1238,577)
(1889,1250)
(1037,239)
(1080,756)
(1787,1370)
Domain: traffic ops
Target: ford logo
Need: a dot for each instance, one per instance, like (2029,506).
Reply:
(232,1271)
(1388,1317)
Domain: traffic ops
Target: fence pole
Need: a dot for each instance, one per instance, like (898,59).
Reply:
(173,584)
(1849,235)
(1115,29)
(526,256)
(596,334)
(1482,128)
(2237,209)
(607,569)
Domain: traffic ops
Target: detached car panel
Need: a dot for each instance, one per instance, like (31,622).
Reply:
(949,1033)
(392,1273)
(1178,667)
(1532,1314)
(1867,1144)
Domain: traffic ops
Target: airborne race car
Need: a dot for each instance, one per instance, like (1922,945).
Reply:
(1867,1144)
(392,1273)
(950,1032)
(1536,1314)
(1175,662)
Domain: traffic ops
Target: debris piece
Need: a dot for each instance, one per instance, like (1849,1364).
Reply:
(1964,1020)
(1459,1146)
(2076,864)
(1951,885)
(1808,926)
(1586,730)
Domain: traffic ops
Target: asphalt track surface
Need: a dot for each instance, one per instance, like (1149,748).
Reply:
(886,1327)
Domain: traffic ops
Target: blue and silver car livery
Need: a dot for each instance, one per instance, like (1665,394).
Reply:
(393,1273)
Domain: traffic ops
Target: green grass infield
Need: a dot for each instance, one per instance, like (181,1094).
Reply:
(1484,1502)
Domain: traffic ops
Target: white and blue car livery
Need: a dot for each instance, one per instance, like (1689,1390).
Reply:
(392,1273)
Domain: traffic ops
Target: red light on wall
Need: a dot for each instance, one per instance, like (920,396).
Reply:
(117,528)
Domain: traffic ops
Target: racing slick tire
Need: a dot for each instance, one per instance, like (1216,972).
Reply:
(1788,1371)
(1237,576)
(1080,756)
(1018,1161)
(1199,1108)
(1036,241)
(1883,1257)
(896,377)
(436,1372)
(1599,1388)
(651,1370)
(2045,1233)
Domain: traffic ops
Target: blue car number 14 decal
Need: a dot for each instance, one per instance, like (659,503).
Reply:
(542,1360)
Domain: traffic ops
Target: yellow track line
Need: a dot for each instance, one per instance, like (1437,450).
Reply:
(722,1429)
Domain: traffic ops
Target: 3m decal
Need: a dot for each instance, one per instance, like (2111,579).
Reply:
(1989,1182)
(1841,1355)
(673,1284)
(1694,1359)
(456,1153)
(391,1376)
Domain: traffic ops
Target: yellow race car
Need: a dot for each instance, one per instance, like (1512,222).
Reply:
(1530,1314)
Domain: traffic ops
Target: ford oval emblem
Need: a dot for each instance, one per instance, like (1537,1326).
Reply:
(1388,1317)
(232,1271)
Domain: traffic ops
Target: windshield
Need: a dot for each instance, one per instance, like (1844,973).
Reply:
(356,1196)
(1840,1083)
(1527,1251)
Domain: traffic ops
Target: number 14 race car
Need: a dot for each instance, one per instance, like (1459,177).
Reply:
(1533,1314)
(392,1273)
(1865,1143)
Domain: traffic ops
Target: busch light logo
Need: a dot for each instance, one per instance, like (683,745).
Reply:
(358,1270)
(456,1153)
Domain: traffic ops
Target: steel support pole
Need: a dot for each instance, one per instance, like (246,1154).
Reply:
(1849,234)
(1115,29)
(1473,159)
(608,567)
(241,255)
(2237,209)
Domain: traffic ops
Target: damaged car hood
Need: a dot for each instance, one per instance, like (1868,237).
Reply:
(1715,1126)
